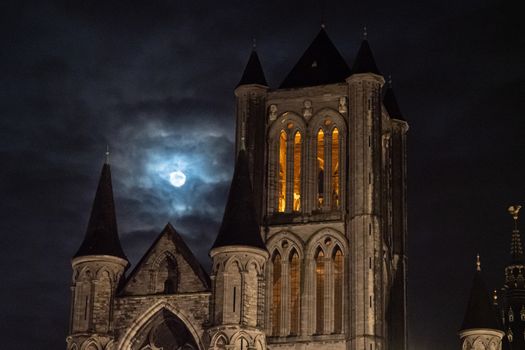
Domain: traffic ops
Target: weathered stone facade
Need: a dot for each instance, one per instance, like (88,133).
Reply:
(326,157)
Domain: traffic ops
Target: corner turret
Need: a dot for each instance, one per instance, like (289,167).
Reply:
(98,267)
(480,328)
(239,257)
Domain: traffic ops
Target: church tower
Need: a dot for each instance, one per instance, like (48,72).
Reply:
(333,199)
(239,259)
(480,329)
(98,267)
(513,301)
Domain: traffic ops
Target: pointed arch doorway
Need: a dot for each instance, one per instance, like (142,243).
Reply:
(165,331)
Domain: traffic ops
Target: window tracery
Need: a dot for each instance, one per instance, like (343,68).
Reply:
(320,291)
(295,285)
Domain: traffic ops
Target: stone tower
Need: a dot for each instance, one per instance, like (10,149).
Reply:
(333,199)
(480,329)
(98,267)
(239,259)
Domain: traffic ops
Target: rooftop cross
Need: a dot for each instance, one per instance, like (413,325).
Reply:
(478,263)
(365,33)
(107,154)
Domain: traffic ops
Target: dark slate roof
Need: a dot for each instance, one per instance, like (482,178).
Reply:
(182,248)
(516,248)
(480,312)
(320,64)
(364,61)
(239,224)
(390,103)
(102,234)
(253,72)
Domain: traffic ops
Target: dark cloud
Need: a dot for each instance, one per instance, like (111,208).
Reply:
(155,80)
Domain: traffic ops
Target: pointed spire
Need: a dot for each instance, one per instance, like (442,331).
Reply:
(480,313)
(364,61)
(240,225)
(390,102)
(253,72)
(107,154)
(320,64)
(102,235)
(516,246)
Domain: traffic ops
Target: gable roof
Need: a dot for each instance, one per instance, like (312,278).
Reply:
(364,61)
(240,225)
(102,234)
(170,232)
(320,64)
(253,72)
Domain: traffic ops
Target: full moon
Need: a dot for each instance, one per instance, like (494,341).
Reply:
(177,178)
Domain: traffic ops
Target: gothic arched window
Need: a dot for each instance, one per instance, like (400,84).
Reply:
(319,291)
(338,291)
(295,287)
(335,169)
(276,295)
(282,172)
(297,143)
(320,168)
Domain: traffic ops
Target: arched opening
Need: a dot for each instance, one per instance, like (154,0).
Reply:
(335,169)
(319,291)
(241,344)
(320,168)
(167,276)
(295,287)
(338,290)
(282,172)
(164,331)
(297,144)
(276,295)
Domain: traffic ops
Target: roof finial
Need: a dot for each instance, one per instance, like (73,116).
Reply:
(365,33)
(390,80)
(323,24)
(514,210)
(107,154)
(478,263)
(254,43)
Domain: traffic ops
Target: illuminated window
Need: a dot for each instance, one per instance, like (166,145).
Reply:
(295,283)
(319,285)
(320,168)
(297,172)
(338,291)
(282,172)
(335,168)
(276,295)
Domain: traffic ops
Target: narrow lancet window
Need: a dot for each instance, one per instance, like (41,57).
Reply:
(335,169)
(276,295)
(320,168)
(319,287)
(295,285)
(338,291)
(297,172)
(282,172)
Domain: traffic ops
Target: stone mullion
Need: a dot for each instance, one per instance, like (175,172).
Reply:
(303,295)
(328,296)
(273,172)
(311,165)
(285,297)
(305,154)
(327,172)
(289,173)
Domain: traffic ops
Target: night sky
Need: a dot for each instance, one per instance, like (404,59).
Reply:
(155,80)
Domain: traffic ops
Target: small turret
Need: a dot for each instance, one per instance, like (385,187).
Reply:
(239,256)
(98,267)
(480,325)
